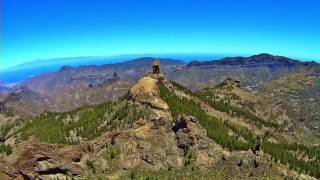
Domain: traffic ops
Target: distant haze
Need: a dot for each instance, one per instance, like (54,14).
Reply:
(32,68)
(34,29)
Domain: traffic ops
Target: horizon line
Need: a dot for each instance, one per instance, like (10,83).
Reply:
(141,55)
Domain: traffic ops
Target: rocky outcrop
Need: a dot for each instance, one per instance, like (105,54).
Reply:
(233,82)
(2,108)
(33,159)
(189,133)
(146,92)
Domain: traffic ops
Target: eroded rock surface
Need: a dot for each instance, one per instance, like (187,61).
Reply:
(33,159)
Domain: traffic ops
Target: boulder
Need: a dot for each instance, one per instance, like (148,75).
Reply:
(188,133)
(35,159)
(147,158)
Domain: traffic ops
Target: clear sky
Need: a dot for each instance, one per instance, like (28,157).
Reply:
(32,29)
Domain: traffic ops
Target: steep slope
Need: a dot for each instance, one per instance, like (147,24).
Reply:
(229,101)
(159,129)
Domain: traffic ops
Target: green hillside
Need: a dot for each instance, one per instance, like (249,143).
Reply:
(90,122)
(82,124)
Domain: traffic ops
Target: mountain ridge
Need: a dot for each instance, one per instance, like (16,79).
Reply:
(162,129)
(260,59)
(76,81)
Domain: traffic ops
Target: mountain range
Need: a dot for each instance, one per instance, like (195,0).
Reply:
(235,118)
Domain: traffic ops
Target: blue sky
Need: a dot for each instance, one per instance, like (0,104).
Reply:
(32,29)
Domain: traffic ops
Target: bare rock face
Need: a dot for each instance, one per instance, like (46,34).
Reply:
(233,82)
(145,85)
(184,137)
(2,107)
(189,133)
(146,92)
(34,159)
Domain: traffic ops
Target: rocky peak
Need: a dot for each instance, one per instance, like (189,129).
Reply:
(2,107)
(231,82)
(264,56)
(146,92)
(66,68)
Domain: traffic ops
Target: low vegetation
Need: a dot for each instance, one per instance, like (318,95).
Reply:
(6,149)
(185,173)
(112,155)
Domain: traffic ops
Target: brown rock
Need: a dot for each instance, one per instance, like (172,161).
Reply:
(4,176)
(35,159)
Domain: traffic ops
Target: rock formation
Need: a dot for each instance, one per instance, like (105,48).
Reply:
(156,67)
(2,108)
(36,160)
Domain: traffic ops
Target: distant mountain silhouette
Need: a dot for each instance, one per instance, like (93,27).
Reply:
(256,60)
